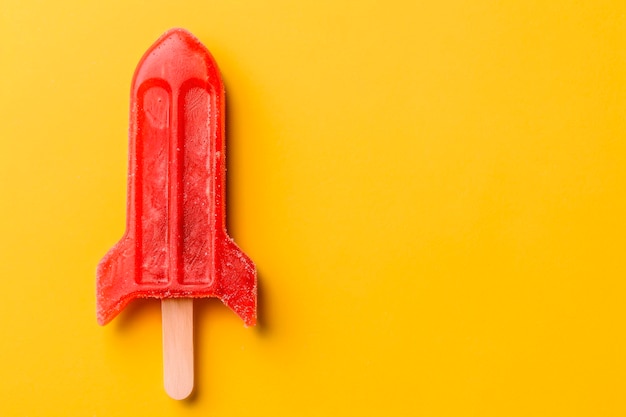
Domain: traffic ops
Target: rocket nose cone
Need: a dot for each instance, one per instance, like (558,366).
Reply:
(177,55)
(177,40)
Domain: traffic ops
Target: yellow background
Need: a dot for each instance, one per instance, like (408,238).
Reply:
(434,194)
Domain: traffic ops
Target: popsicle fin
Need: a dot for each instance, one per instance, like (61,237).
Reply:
(237,281)
(114,281)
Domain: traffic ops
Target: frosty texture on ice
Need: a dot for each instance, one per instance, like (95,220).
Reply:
(176,244)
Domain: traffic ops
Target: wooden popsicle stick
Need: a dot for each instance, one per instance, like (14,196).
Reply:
(177,322)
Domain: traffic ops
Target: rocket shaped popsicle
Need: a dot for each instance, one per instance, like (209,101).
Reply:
(176,246)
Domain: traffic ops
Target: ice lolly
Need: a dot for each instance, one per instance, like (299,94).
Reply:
(176,247)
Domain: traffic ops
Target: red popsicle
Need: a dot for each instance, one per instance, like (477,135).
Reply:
(176,246)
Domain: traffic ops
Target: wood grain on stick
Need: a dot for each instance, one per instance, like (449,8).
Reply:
(177,320)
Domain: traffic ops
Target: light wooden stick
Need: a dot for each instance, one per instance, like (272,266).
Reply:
(177,321)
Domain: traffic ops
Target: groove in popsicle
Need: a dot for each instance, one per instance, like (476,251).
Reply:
(194,110)
(152,181)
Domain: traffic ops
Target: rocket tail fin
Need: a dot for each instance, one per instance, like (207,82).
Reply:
(238,281)
(115,277)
